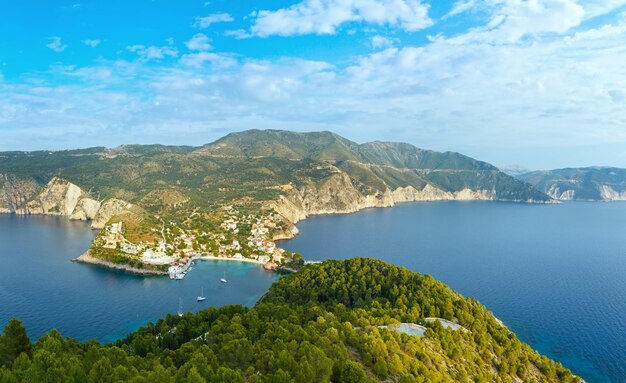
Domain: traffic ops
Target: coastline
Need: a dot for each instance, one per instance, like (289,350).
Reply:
(86,258)
(282,207)
(291,233)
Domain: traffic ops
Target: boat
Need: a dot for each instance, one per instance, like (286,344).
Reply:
(180,276)
(223,279)
(180,307)
(201,297)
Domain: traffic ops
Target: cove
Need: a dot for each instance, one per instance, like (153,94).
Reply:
(42,287)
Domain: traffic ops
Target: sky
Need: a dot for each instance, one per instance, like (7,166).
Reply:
(535,83)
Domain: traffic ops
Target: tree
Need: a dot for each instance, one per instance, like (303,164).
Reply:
(348,372)
(101,372)
(14,342)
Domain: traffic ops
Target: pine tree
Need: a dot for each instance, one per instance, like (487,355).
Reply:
(14,342)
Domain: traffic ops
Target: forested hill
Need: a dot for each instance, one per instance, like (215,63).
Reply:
(588,184)
(318,325)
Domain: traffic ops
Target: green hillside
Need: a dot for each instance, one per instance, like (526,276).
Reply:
(318,325)
(251,162)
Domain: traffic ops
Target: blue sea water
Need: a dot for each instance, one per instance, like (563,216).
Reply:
(42,287)
(554,274)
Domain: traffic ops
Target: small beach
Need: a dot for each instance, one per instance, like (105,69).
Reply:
(213,258)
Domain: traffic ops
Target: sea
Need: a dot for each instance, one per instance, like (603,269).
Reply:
(554,274)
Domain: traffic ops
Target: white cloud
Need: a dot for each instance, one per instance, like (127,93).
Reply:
(91,43)
(461,6)
(197,60)
(379,42)
(238,34)
(199,42)
(56,44)
(565,85)
(595,8)
(206,21)
(512,20)
(326,16)
(153,52)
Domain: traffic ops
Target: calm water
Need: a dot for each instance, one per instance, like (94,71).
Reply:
(40,286)
(555,274)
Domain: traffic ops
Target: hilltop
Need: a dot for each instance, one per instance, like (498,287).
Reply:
(237,195)
(587,184)
(332,322)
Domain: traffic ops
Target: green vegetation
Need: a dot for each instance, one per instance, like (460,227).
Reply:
(318,325)
(253,165)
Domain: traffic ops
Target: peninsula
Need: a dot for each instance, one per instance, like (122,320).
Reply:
(159,207)
(357,320)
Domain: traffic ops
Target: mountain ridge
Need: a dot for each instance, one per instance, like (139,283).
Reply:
(594,183)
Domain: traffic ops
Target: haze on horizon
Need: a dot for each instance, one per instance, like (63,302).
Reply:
(536,83)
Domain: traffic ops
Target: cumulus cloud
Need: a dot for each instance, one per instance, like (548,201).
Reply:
(55,44)
(199,42)
(207,21)
(564,84)
(153,52)
(326,16)
(91,43)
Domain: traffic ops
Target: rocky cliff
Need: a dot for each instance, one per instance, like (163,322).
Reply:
(58,197)
(108,209)
(586,184)
(339,195)
(26,196)
(16,191)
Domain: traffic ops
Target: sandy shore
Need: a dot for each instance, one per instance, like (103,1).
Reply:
(213,258)
(88,259)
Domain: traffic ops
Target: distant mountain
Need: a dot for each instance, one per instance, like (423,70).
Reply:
(257,164)
(592,184)
(514,170)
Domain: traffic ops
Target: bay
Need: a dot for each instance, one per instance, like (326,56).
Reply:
(42,287)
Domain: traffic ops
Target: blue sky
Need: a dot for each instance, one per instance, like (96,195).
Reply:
(536,83)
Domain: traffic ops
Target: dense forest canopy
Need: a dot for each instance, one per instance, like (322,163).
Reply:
(317,325)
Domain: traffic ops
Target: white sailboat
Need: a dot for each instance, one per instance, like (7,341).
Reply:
(180,307)
(201,297)
(223,279)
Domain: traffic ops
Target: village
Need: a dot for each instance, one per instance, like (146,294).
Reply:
(243,238)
